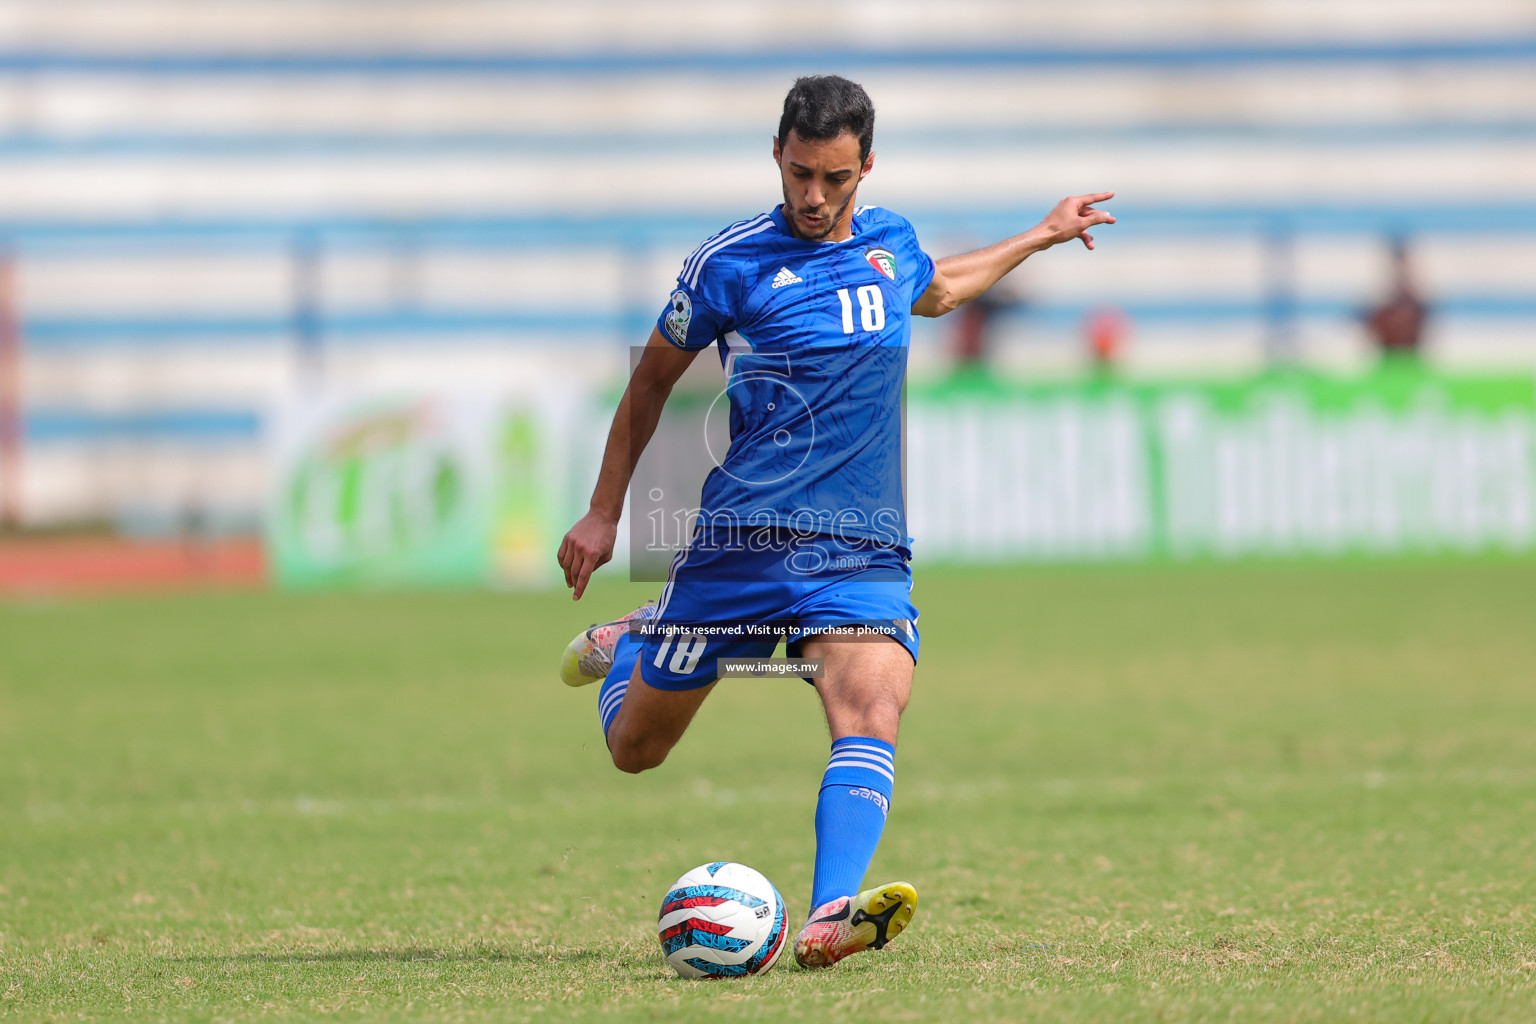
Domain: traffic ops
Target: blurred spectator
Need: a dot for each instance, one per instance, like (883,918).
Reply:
(1397,324)
(1107,331)
(971,336)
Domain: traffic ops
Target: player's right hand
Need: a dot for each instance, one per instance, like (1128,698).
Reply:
(586,546)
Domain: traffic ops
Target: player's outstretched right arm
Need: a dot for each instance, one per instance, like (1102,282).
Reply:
(589,543)
(959,279)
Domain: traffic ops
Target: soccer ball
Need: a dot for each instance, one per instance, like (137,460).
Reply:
(722,920)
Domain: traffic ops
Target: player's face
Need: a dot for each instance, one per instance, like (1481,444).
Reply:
(820,181)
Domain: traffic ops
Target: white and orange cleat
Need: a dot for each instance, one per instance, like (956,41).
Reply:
(852,924)
(589,655)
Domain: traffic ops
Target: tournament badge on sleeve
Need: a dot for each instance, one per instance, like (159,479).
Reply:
(679,313)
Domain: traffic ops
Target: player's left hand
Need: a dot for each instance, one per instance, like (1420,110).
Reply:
(1072,217)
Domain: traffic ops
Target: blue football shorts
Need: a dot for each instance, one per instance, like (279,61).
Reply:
(741,601)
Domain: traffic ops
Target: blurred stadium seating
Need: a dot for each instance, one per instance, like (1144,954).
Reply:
(207,206)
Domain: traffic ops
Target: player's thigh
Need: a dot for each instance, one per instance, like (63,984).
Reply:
(651,720)
(866,684)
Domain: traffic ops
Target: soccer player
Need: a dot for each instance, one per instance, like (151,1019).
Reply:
(802,524)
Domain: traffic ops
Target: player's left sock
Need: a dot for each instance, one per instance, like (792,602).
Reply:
(850,814)
(616,683)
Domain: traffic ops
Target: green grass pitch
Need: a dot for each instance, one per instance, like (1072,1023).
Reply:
(1266,793)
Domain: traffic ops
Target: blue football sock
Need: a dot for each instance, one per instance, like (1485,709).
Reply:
(616,683)
(850,814)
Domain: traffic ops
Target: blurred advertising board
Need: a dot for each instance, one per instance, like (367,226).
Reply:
(430,488)
(456,488)
(1286,464)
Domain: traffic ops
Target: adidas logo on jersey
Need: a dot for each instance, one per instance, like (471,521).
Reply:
(785,276)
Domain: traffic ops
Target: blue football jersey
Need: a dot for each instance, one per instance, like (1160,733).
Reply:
(813,337)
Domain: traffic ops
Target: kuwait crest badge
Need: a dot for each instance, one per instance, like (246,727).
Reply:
(883,261)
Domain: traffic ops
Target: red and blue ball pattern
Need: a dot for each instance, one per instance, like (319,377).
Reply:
(722,920)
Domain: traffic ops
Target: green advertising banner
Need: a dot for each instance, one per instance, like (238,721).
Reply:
(456,489)
(425,489)
(1400,461)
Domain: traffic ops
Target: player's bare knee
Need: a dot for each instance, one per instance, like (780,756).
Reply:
(626,762)
(635,758)
(880,719)
(627,759)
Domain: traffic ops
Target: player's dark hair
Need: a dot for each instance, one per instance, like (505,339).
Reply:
(822,107)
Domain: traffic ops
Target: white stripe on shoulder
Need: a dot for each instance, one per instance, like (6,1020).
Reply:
(752,227)
(688,263)
(864,209)
(717,236)
(698,267)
